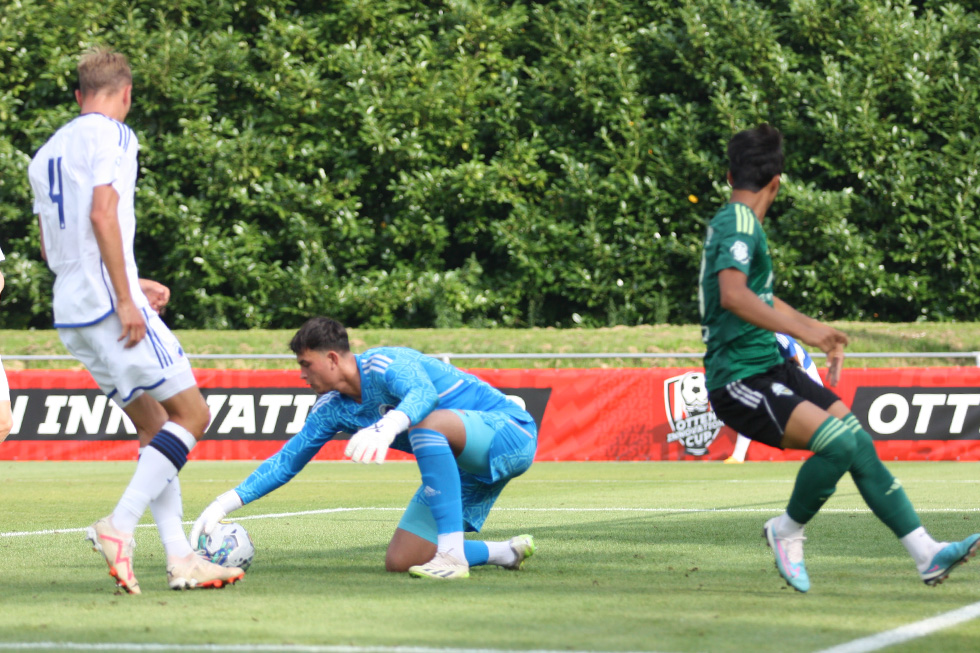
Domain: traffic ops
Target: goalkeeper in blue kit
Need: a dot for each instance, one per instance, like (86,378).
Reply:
(468,439)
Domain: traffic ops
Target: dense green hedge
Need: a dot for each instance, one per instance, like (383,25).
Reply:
(405,163)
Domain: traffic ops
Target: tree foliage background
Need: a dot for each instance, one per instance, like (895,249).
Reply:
(479,162)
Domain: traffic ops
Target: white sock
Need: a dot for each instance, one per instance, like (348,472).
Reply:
(921,547)
(183,434)
(501,554)
(741,447)
(786,526)
(168,513)
(451,543)
(153,472)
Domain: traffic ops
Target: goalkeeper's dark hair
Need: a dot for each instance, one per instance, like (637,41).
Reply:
(320,334)
(755,156)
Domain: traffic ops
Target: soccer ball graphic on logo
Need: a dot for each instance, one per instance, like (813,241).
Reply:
(694,392)
(228,545)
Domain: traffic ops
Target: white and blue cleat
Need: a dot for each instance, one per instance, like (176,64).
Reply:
(948,558)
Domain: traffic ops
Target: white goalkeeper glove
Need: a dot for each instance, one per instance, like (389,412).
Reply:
(218,510)
(371,444)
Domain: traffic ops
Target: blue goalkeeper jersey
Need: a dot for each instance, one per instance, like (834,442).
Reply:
(391,378)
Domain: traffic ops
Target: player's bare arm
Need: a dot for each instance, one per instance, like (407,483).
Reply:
(737,298)
(105,225)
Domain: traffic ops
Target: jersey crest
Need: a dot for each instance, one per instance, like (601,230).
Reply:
(740,252)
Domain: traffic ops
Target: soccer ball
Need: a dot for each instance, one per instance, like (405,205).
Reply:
(694,392)
(228,545)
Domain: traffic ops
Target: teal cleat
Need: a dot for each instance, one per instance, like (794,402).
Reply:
(789,556)
(948,558)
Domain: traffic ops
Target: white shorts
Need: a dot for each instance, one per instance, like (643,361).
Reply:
(4,386)
(156,365)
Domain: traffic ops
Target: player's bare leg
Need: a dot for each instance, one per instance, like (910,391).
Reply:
(154,482)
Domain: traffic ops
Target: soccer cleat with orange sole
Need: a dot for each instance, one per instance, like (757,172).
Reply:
(117,549)
(194,572)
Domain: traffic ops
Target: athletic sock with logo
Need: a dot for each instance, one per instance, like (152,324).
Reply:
(833,448)
(881,491)
(441,489)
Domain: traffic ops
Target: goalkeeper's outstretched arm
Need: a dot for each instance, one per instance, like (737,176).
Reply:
(270,475)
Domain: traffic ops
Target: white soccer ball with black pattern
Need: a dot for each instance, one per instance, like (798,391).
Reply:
(228,545)
(694,392)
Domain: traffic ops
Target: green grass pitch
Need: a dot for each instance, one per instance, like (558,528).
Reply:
(631,557)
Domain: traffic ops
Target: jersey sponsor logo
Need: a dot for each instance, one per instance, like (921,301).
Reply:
(740,252)
(902,413)
(692,421)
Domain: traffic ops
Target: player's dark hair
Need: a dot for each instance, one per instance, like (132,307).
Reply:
(320,334)
(755,156)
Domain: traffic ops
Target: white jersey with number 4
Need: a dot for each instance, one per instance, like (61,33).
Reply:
(91,150)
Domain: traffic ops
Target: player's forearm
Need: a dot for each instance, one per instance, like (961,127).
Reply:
(105,226)
(104,216)
(784,308)
(749,307)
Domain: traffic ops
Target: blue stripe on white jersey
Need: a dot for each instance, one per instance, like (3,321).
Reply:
(789,349)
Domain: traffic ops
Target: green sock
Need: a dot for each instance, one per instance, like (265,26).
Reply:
(881,491)
(833,447)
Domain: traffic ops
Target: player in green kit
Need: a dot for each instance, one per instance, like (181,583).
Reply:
(754,391)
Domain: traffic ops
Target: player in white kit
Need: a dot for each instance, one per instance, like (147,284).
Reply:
(84,182)
(6,419)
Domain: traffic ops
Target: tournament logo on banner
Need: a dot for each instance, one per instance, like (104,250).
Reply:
(689,414)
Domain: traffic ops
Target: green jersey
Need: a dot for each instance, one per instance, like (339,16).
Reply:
(736,349)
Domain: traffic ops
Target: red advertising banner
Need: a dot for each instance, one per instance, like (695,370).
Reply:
(583,414)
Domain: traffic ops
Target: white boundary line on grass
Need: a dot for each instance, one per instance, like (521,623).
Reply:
(326,511)
(908,632)
(263,648)
(864,645)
